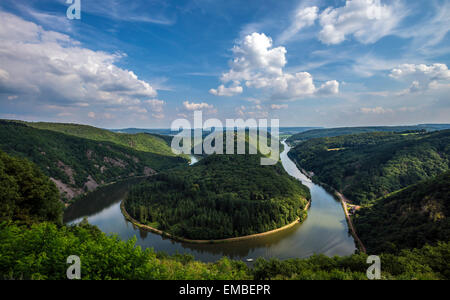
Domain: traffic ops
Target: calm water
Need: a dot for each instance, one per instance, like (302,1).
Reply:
(324,231)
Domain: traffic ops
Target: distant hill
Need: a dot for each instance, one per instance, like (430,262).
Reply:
(282,130)
(409,218)
(146,142)
(367,166)
(76,164)
(164,131)
(331,132)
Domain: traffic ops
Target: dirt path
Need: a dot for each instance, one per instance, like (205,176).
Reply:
(349,221)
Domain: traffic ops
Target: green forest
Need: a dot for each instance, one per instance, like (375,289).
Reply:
(35,245)
(222,196)
(27,195)
(365,167)
(79,164)
(153,143)
(332,132)
(409,218)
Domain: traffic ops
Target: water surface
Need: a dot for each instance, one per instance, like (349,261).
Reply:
(324,231)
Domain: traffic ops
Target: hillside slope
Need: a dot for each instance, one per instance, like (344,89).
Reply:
(409,218)
(367,166)
(332,132)
(26,194)
(75,164)
(145,142)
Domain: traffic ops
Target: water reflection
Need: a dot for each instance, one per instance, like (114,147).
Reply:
(324,231)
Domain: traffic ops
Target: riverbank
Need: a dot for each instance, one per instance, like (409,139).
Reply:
(349,221)
(75,199)
(220,241)
(341,199)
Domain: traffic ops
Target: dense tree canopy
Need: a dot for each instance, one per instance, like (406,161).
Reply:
(153,143)
(77,161)
(332,132)
(409,218)
(222,196)
(367,166)
(40,252)
(26,195)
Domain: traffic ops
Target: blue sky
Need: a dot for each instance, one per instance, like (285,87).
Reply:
(147,63)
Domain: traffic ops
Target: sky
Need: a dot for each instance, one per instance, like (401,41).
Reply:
(146,63)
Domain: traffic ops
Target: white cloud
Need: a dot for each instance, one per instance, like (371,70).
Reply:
(91,115)
(226,91)
(137,109)
(50,66)
(252,100)
(366,20)
(433,72)
(422,76)
(259,65)
(304,17)
(376,110)
(156,105)
(192,106)
(279,106)
(329,88)
(255,112)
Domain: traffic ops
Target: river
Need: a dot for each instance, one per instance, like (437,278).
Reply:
(324,231)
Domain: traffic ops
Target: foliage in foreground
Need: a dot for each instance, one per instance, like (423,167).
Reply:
(26,194)
(40,252)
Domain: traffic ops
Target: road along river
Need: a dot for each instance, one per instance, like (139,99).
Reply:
(324,231)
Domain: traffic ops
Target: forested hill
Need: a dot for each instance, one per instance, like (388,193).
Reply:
(367,166)
(76,164)
(27,196)
(409,218)
(40,251)
(145,142)
(222,196)
(332,132)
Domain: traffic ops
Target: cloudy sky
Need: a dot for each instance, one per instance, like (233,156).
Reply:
(147,63)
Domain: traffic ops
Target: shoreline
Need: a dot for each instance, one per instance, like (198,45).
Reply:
(100,186)
(219,241)
(343,202)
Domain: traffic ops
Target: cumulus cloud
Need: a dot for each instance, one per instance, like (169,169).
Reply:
(376,110)
(227,91)
(366,20)
(304,17)
(156,105)
(279,106)
(257,64)
(255,111)
(329,88)
(433,72)
(191,106)
(51,66)
(422,76)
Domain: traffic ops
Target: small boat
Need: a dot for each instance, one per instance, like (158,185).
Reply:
(249,259)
